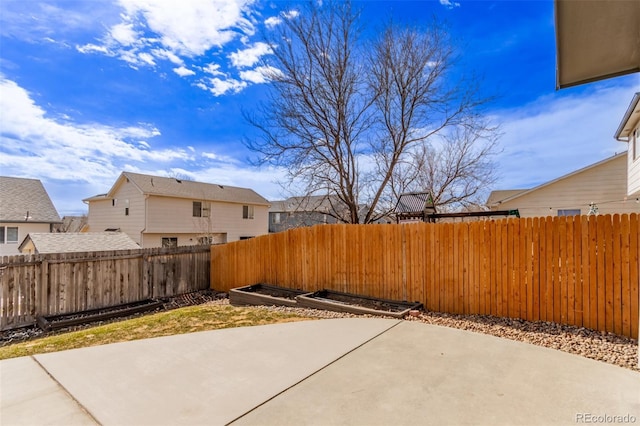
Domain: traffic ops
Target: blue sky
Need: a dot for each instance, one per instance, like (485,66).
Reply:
(89,89)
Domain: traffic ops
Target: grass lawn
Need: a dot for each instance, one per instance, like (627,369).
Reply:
(178,321)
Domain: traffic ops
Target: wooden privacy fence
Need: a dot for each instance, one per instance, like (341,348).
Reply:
(51,284)
(577,270)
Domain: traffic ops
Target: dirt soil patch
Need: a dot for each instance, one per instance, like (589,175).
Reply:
(264,294)
(345,302)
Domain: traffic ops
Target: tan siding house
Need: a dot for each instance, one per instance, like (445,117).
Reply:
(629,131)
(158,211)
(25,207)
(604,184)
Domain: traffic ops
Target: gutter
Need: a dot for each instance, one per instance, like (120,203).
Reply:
(627,116)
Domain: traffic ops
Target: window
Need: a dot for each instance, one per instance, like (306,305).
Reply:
(206,240)
(126,211)
(114,202)
(275,217)
(635,142)
(200,209)
(568,212)
(247,212)
(8,234)
(169,241)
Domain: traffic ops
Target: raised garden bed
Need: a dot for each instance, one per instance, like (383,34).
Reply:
(264,294)
(355,304)
(54,322)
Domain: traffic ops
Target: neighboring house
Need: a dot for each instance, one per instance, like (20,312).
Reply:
(164,212)
(70,242)
(25,207)
(599,188)
(72,224)
(629,131)
(296,212)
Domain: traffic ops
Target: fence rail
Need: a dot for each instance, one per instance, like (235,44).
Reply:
(50,284)
(580,270)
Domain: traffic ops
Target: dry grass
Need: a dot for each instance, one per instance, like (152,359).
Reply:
(178,321)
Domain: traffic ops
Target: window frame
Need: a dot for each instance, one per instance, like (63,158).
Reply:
(4,234)
(170,240)
(248,212)
(569,212)
(200,209)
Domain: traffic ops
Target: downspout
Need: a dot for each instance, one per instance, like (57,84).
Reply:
(144,229)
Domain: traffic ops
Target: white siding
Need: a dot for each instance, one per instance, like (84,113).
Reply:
(228,218)
(633,188)
(605,184)
(175,216)
(11,249)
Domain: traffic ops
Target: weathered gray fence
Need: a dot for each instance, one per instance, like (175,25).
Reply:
(51,284)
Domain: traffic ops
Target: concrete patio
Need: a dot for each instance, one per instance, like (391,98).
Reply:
(326,372)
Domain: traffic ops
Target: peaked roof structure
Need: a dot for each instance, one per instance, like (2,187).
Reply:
(311,203)
(25,200)
(495,198)
(70,242)
(181,188)
(415,202)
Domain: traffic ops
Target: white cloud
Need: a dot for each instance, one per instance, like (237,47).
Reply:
(213,69)
(78,160)
(219,87)
(183,71)
(259,75)
(248,57)
(124,34)
(166,54)
(150,31)
(33,141)
(449,4)
(219,158)
(146,58)
(559,133)
(92,48)
(272,21)
(190,30)
(291,14)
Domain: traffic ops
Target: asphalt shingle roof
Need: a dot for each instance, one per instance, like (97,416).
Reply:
(19,196)
(172,187)
(68,242)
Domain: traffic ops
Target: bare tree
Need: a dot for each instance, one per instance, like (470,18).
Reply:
(356,121)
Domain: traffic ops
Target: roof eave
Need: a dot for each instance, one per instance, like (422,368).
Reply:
(627,115)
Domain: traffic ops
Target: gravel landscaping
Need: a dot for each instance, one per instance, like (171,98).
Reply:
(605,347)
